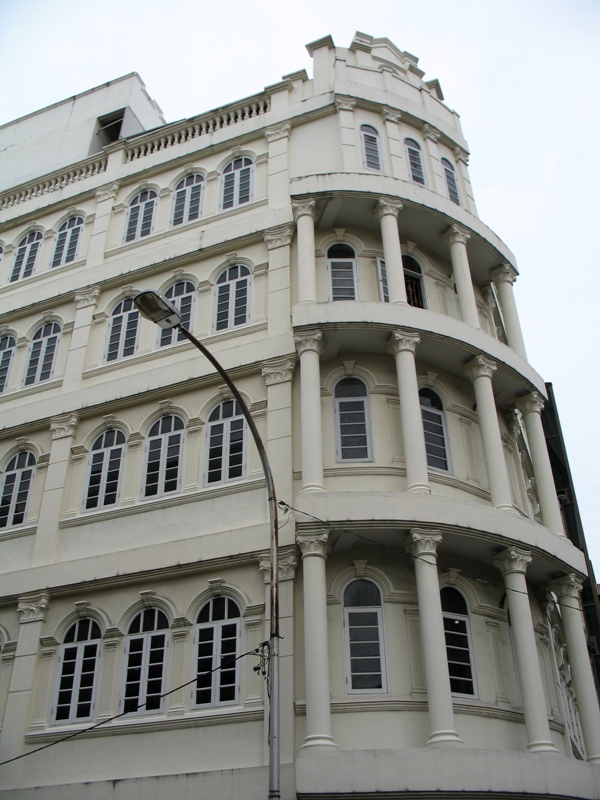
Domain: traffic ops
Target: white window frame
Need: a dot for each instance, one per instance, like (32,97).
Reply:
(379,610)
(339,401)
(144,678)
(330,270)
(412,170)
(31,242)
(167,335)
(125,316)
(216,656)
(225,447)
(442,418)
(72,718)
(373,134)
(382,281)
(43,351)
(451,181)
(104,470)
(185,189)
(7,357)
(237,179)
(467,619)
(68,241)
(162,460)
(149,202)
(235,285)
(19,473)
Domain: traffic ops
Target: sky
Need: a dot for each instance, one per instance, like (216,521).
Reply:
(522,74)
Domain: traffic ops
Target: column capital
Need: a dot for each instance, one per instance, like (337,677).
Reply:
(505,273)
(63,426)
(304,208)
(422,542)
(456,234)
(480,367)
(388,205)
(513,559)
(107,193)
(315,543)
(309,340)
(32,608)
(344,103)
(287,566)
(87,297)
(390,114)
(461,155)
(402,339)
(530,403)
(429,132)
(281,131)
(280,236)
(278,370)
(568,586)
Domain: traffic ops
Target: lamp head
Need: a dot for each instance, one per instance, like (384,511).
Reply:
(158,309)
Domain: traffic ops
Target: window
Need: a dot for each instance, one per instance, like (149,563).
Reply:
(69,234)
(78,668)
(16,488)
(451,181)
(341,262)
(384,292)
(165,445)
(182,296)
(122,336)
(352,417)
(415,161)
(370,146)
(188,199)
(106,460)
(216,646)
(145,658)
(237,182)
(434,428)
(413,280)
(458,642)
(42,354)
(226,434)
(232,291)
(363,634)
(26,255)
(8,345)
(141,215)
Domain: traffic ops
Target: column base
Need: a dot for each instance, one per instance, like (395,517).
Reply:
(506,507)
(419,488)
(311,487)
(445,738)
(542,746)
(319,740)
(594,759)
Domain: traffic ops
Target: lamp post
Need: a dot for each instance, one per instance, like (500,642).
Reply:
(158,309)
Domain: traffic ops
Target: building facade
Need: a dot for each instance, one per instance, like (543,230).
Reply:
(322,239)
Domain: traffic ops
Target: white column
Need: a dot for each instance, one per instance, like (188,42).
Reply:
(457,239)
(387,211)
(504,277)
(422,546)
(314,548)
(568,591)
(530,407)
(308,345)
(512,563)
(480,371)
(403,344)
(304,214)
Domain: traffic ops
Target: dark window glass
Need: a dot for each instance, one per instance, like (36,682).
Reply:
(217,648)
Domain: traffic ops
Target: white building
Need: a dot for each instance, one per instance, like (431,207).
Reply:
(322,239)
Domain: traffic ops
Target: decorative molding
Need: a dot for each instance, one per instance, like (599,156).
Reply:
(313,544)
(344,103)
(422,542)
(216,586)
(281,131)
(83,607)
(513,559)
(278,370)
(32,608)
(388,205)
(479,367)
(390,114)
(309,340)
(461,155)
(87,297)
(64,426)
(456,235)
(288,562)
(402,339)
(429,132)
(148,598)
(305,207)
(280,236)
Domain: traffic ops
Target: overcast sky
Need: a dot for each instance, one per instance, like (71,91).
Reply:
(523,74)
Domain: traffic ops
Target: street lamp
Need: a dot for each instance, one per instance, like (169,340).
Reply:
(163,312)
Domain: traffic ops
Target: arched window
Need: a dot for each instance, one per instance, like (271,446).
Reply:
(237,182)
(123,331)
(415,161)
(451,181)
(232,290)
(43,353)
(163,465)
(8,346)
(181,294)
(370,147)
(353,439)
(363,634)
(216,647)
(458,642)
(413,280)
(106,460)
(188,199)
(26,255)
(16,488)
(141,215)
(146,662)
(78,668)
(67,240)
(434,428)
(226,434)
(341,263)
